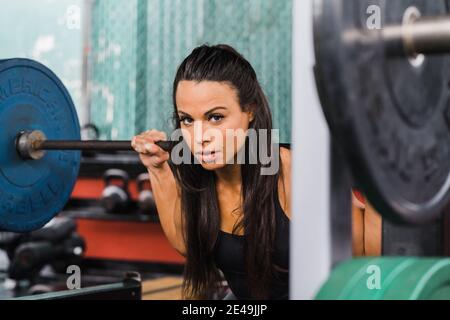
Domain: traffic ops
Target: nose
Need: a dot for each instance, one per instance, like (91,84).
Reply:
(198,133)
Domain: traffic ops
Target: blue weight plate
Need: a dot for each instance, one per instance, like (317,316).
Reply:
(32,192)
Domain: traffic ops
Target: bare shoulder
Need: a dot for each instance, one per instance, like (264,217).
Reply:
(285,154)
(284,183)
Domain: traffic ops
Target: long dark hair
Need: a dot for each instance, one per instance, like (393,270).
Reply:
(199,204)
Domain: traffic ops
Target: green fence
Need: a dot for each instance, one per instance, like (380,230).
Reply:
(138,44)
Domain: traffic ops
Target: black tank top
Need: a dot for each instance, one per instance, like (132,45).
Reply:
(229,258)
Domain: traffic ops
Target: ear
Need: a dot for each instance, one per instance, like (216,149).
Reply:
(250,112)
(251,116)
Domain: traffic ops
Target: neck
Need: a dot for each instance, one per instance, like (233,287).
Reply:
(229,176)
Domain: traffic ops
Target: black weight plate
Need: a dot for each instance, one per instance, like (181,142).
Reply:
(390,117)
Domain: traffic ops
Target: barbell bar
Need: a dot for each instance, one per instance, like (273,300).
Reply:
(32,144)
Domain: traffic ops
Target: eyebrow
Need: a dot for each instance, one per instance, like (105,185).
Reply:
(206,113)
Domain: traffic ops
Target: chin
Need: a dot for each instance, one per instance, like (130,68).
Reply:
(213,166)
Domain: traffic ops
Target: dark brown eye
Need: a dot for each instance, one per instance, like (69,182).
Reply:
(185,120)
(216,117)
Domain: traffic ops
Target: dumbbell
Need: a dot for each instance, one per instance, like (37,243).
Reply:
(29,257)
(146,201)
(115,197)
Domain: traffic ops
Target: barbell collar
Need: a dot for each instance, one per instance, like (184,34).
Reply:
(425,36)
(428,36)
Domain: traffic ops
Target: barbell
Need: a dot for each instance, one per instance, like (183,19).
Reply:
(384,92)
(36,112)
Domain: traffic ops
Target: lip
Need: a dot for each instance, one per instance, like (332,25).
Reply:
(205,153)
(209,157)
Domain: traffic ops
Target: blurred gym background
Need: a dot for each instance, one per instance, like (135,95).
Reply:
(118,59)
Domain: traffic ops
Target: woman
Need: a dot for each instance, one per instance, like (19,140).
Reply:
(223,216)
